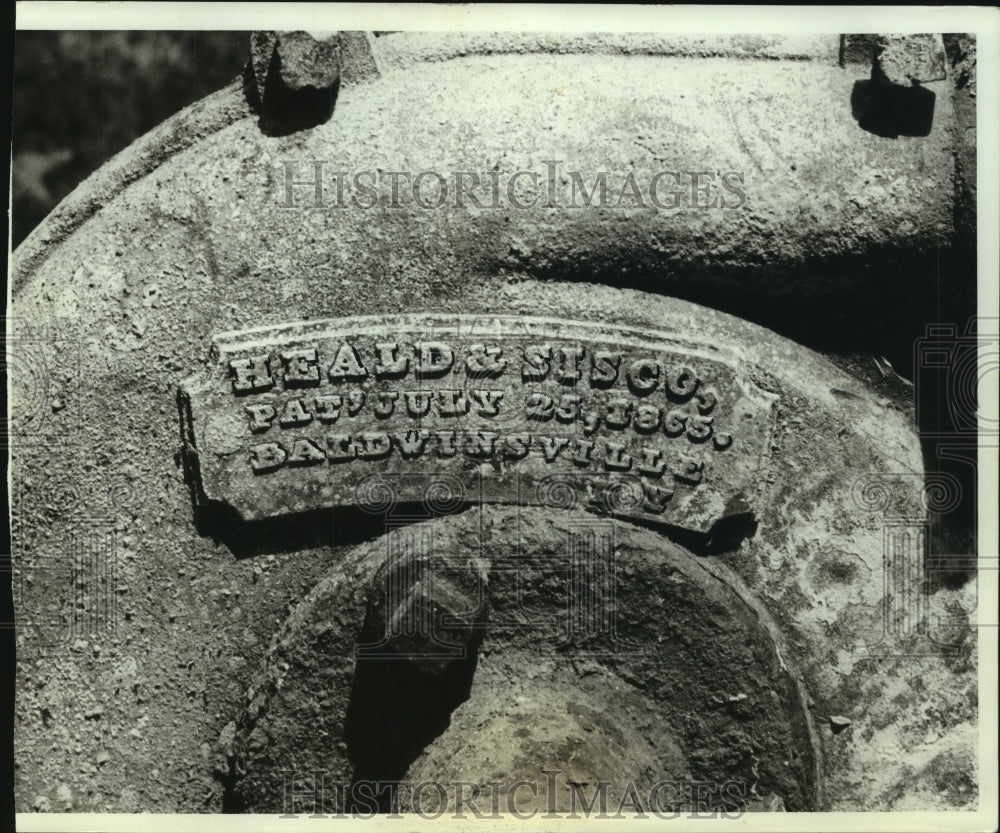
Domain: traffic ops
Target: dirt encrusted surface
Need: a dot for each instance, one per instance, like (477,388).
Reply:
(170,666)
(677,661)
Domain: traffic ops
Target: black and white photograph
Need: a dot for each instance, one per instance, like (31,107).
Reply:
(502,417)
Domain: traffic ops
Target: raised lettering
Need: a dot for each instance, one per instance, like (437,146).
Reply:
(452,403)
(251,373)
(569,407)
(373,445)
(480,443)
(673,425)
(385,403)
(581,452)
(390,365)
(591,422)
(340,448)
(266,457)
(347,365)
(722,441)
(643,375)
(699,428)
(647,418)
(412,443)
(615,457)
(707,401)
(516,446)
(484,362)
(294,413)
(619,413)
(601,402)
(261,416)
(355,402)
(301,367)
(487,401)
(418,402)
(551,446)
(655,498)
(446,443)
(434,359)
(328,407)
(306,453)
(538,406)
(569,364)
(652,463)
(690,471)
(604,368)
(537,362)
(682,384)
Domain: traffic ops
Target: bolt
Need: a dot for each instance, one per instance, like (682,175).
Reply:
(896,59)
(909,59)
(293,79)
(893,103)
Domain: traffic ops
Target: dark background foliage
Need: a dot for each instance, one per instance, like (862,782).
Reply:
(81,97)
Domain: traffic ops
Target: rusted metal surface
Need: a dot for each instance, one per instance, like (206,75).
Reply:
(212,224)
(697,673)
(819,190)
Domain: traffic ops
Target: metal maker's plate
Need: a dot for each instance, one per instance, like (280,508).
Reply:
(372,411)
